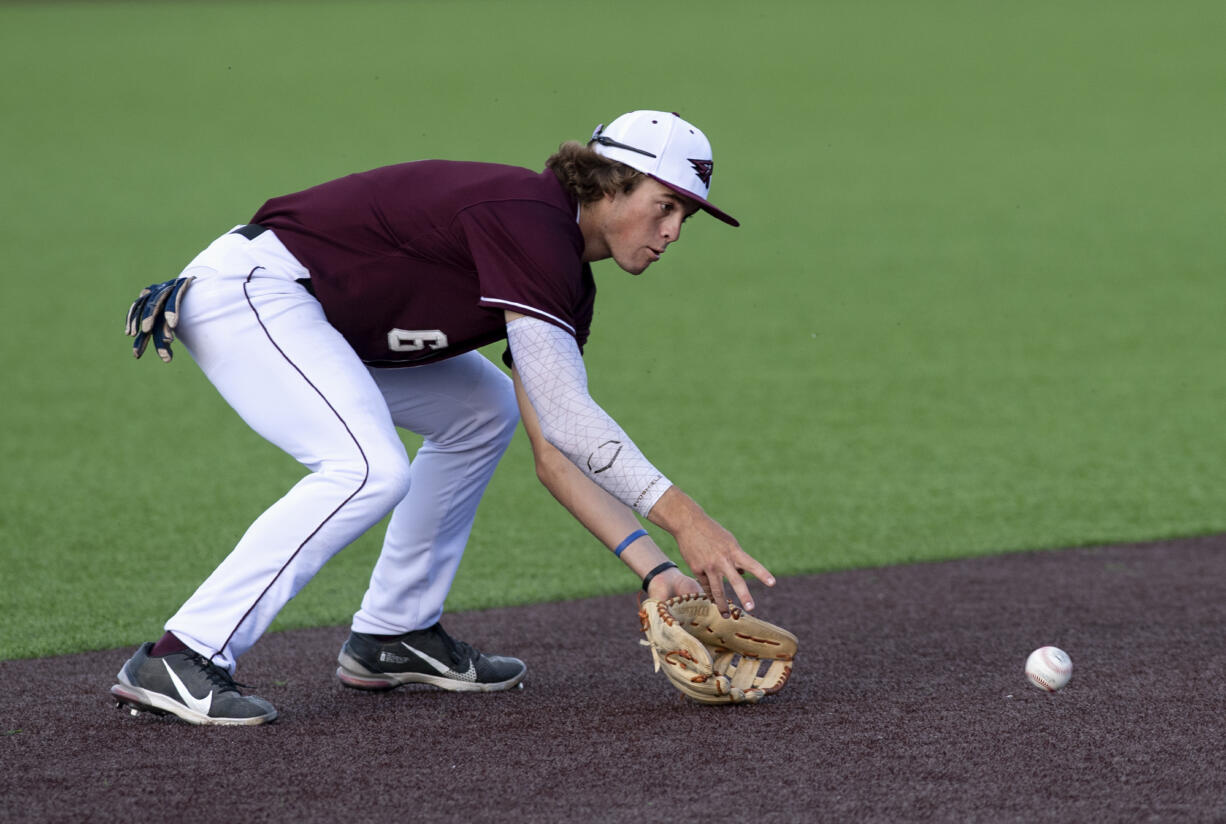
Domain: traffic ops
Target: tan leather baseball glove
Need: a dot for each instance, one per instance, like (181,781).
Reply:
(713,659)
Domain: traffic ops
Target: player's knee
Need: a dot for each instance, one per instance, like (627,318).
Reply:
(394,479)
(387,479)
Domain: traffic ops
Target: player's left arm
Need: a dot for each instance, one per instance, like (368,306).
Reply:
(607,518)
(554,383)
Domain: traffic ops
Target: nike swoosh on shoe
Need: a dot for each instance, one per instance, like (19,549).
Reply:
(443,669)
(200,705)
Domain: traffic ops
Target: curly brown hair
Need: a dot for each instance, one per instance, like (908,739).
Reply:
(590,176)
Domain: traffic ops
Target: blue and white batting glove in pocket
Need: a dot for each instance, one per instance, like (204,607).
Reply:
(154,315)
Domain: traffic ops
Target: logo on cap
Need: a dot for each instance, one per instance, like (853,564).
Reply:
(703,169)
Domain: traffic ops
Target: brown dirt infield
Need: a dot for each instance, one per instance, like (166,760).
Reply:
(907,704)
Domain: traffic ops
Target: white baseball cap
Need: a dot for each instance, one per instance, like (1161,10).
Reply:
(665,147)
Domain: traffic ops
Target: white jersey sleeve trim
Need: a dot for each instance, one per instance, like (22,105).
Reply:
(523,307)
(554,378)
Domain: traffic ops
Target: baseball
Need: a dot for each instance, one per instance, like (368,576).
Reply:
(1049,668)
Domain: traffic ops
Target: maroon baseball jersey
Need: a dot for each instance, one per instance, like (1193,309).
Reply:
(417,262)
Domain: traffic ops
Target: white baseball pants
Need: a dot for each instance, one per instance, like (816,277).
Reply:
(264,342)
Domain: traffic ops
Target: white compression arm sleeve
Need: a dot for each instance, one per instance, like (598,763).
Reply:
(552,373)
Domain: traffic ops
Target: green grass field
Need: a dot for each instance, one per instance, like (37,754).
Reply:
(975,305)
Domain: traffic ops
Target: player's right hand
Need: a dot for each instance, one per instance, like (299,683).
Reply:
(714,555)
(710,550)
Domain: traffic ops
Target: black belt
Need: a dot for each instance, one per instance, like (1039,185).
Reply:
(251,231)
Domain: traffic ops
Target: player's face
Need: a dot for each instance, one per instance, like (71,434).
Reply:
(636,228)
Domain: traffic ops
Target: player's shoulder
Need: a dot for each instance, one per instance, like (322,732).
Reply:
(472,181)
(457,172)
(472,193)
(502,180)
(497,188)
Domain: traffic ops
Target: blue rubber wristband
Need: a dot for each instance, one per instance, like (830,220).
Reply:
(631,538)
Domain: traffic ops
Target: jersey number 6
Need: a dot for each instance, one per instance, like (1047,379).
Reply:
(414,340)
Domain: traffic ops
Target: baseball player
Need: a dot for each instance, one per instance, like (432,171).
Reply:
(347,310)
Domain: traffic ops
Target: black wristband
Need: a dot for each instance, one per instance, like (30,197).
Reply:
(661,568)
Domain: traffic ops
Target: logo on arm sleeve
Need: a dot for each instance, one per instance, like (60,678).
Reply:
(604,456)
